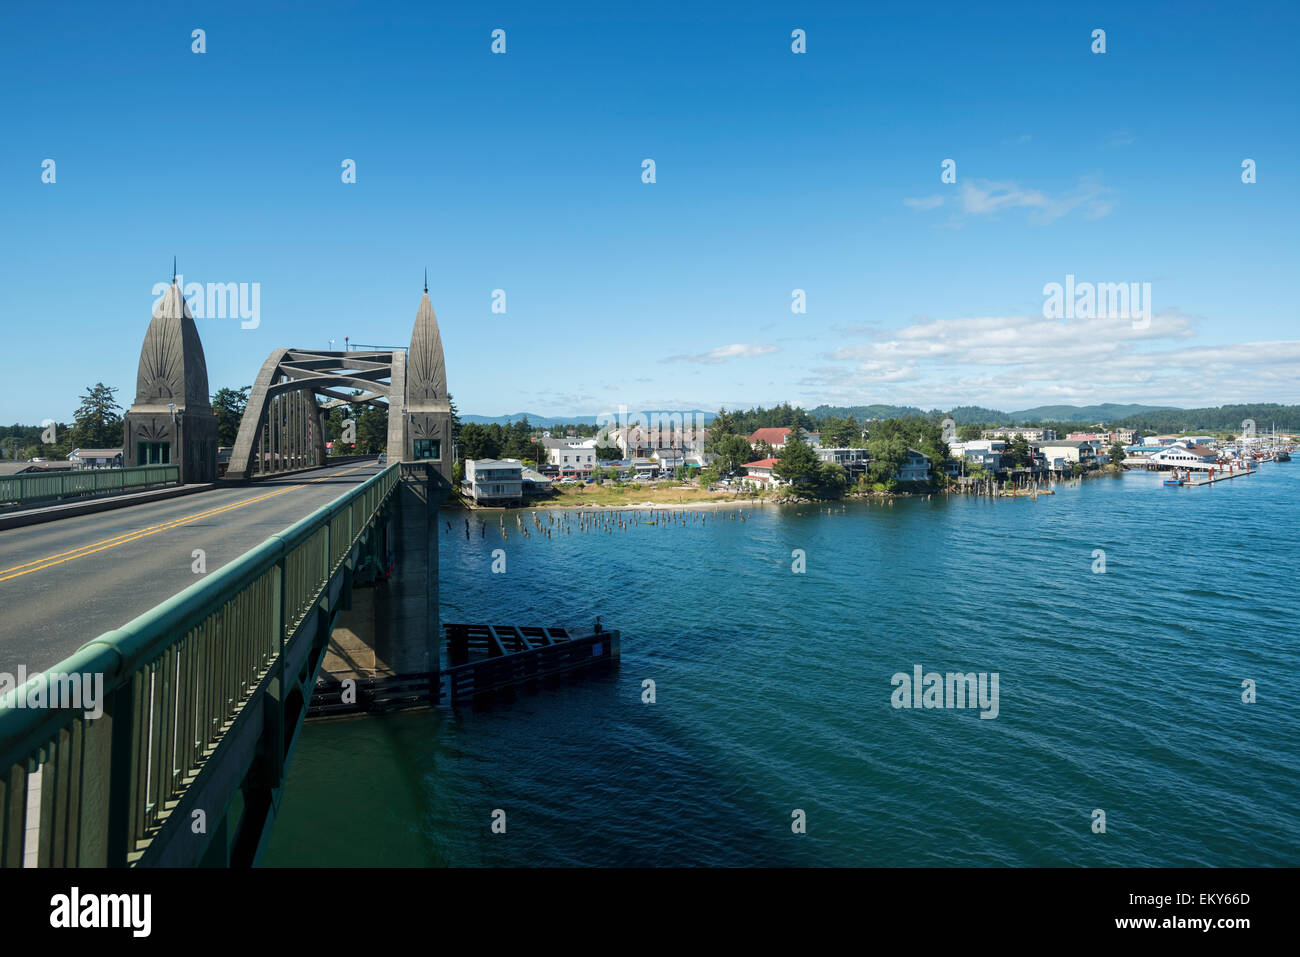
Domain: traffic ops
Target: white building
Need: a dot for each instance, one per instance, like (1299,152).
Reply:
(572,456)
(494,481)
(760,474)
(1185,457)
(1029,435)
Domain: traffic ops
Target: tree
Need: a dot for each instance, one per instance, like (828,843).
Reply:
(842,433)
(796,463)
(968,433)
(724,423)
(455,418)
(229,405)
(832,479)
(709,476)
(372,430)
(97,421)
(1117,454)
(1019,451)
(730,452)
(888,452)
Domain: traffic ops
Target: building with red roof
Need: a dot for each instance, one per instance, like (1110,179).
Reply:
(760,472)
(773,437)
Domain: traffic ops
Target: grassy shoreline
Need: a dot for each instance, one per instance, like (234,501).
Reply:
(631,497)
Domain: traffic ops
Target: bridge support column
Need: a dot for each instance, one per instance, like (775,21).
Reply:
(390,627)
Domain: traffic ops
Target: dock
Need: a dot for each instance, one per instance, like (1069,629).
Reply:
(483,661)
(1211,477)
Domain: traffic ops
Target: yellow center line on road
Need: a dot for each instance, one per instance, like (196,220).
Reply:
(49,561)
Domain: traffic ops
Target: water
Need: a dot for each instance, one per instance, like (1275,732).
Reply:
(1119,691)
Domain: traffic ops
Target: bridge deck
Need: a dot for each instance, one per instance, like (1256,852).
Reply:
(66,582)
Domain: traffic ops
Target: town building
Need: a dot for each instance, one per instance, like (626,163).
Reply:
(775,437)
(761,472)
(1185,457)
(96,458)
(573,457)
(645,469)
(1140,455)
(1061,454)
(984,452)
(1030,435)
(1120,436)
(534,482)
(673,441)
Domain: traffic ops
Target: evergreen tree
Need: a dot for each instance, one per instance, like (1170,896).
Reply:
(229,405)
(98,420)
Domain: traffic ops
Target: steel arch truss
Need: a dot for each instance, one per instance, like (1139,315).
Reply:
(283,428)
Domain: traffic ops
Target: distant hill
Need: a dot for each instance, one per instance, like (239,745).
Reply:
(1106,412)
(550,421)
(978,415)
(1143,417)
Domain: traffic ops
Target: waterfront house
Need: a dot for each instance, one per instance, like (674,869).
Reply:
(853,461)
(984,452)
(1062,454)
(915,468)
(494,481)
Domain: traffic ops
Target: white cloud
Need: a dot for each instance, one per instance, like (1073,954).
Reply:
(984,198)
(1018,361)
(723,353)
(928,202)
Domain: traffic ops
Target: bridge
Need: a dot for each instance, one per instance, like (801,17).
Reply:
(164,741)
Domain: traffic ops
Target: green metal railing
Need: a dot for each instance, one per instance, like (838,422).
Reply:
(51,486)
(174,681)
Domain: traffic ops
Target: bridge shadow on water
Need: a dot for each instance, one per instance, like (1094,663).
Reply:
(578,766)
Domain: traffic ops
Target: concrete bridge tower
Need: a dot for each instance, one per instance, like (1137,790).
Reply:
(420,430)
(171,420)
(393,629)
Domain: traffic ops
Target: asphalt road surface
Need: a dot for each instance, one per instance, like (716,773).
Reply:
(68,581)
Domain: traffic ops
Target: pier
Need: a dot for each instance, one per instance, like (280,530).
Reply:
(483,661)
(1211,477)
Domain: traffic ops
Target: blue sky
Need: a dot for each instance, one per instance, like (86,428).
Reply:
(775,171)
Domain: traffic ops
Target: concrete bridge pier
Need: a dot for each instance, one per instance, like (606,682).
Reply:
(389,631)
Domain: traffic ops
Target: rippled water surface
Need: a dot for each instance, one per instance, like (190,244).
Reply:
(1119,691)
